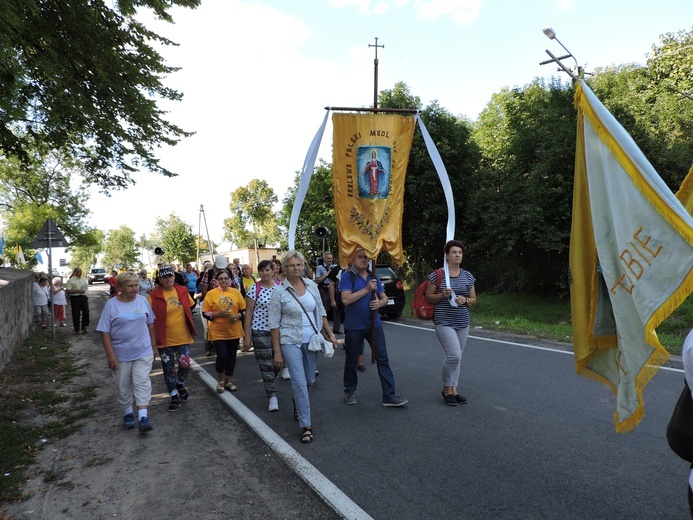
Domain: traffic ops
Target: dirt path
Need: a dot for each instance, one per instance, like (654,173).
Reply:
(199,462)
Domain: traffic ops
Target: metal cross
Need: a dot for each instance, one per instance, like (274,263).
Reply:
(375,80)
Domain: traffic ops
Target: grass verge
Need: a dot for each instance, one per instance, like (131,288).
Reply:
(549,318)
(38,407)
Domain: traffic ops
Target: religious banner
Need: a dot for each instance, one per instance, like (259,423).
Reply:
(370,156)
(631,256)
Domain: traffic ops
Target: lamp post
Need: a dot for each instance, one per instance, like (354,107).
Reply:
(576,73)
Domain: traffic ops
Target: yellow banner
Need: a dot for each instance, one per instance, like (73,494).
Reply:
(369,166)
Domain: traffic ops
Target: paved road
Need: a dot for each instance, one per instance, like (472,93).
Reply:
(535,440)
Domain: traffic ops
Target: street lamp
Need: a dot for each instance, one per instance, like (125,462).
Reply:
(551,35)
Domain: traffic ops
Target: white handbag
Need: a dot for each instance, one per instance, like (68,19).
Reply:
(317,342)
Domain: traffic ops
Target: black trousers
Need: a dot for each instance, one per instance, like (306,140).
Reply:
(80,304)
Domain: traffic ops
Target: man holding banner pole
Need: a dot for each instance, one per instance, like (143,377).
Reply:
(361,317)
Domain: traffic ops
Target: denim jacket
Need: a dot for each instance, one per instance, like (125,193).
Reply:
(286,314)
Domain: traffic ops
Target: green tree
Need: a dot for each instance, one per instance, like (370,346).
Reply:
(177,239)
(425,209)
(84,75)
(317,210)
(120,249)
(670,63)
(85,253)
(519,207)
(658,119)
(39,189)
(252,220)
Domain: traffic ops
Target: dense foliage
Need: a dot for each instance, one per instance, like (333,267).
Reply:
(317,211)
(177,240)
(521,194)
(253,222)
(84,75)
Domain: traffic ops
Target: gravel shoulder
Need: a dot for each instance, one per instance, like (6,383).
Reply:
(199,462)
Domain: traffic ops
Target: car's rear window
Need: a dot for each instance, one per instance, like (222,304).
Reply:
(385,273)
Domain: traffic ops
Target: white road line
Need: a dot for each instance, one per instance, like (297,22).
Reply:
(331,494)
(536,347)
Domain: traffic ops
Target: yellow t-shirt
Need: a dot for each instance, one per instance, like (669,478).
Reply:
(177,332)
(231,301)
(247,283)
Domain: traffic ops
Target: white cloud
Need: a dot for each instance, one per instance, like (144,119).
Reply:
(362,5)
(380,8)
(462,12)
(564,5)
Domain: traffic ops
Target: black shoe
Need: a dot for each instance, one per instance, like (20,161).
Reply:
(361,368)
(449,399)
(460,399)
(183,393)
(175,404)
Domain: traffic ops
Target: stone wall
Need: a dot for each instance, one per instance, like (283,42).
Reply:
(16,310)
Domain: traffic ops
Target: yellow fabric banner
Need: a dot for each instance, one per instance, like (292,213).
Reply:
(631,259)
(685,193)
(369,166)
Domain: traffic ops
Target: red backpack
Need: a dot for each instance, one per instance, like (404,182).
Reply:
(420,307)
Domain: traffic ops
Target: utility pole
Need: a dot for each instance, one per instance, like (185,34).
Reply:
(375,80)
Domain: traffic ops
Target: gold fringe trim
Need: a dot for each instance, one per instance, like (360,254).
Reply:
(685,193)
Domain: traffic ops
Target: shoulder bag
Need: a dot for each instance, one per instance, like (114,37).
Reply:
(317,342)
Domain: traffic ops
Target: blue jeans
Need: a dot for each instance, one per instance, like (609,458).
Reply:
(353,340)
(301,363)
(173,377)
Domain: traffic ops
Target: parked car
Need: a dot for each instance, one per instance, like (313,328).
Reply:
(393,289)
(97,274)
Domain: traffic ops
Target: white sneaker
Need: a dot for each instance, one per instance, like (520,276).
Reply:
(273,404)
(285,374)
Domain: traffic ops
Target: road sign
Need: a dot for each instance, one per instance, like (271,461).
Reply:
(49,236)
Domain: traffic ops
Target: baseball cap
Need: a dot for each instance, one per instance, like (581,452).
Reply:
(221,262)
(166,270)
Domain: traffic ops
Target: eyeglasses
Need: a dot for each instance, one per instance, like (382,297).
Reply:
(222,278)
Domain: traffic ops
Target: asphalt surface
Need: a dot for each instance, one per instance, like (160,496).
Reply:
(535,440)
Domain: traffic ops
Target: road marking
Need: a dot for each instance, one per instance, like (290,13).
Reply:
(331,494)
(536,347)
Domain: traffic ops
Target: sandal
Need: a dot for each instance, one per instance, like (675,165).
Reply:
(307,435)
(230,387)
(220,387)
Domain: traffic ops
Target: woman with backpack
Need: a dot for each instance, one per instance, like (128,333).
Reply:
(451,316)
(257,333)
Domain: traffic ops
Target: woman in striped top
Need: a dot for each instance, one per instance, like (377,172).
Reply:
(452,322)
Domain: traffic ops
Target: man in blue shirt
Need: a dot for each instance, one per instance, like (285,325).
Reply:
(356,287)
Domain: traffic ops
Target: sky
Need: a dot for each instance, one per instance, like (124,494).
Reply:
(257,76)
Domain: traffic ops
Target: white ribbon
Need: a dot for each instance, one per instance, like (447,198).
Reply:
(306,174)
(447,189)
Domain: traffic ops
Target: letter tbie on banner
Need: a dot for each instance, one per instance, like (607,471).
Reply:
(370,156)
